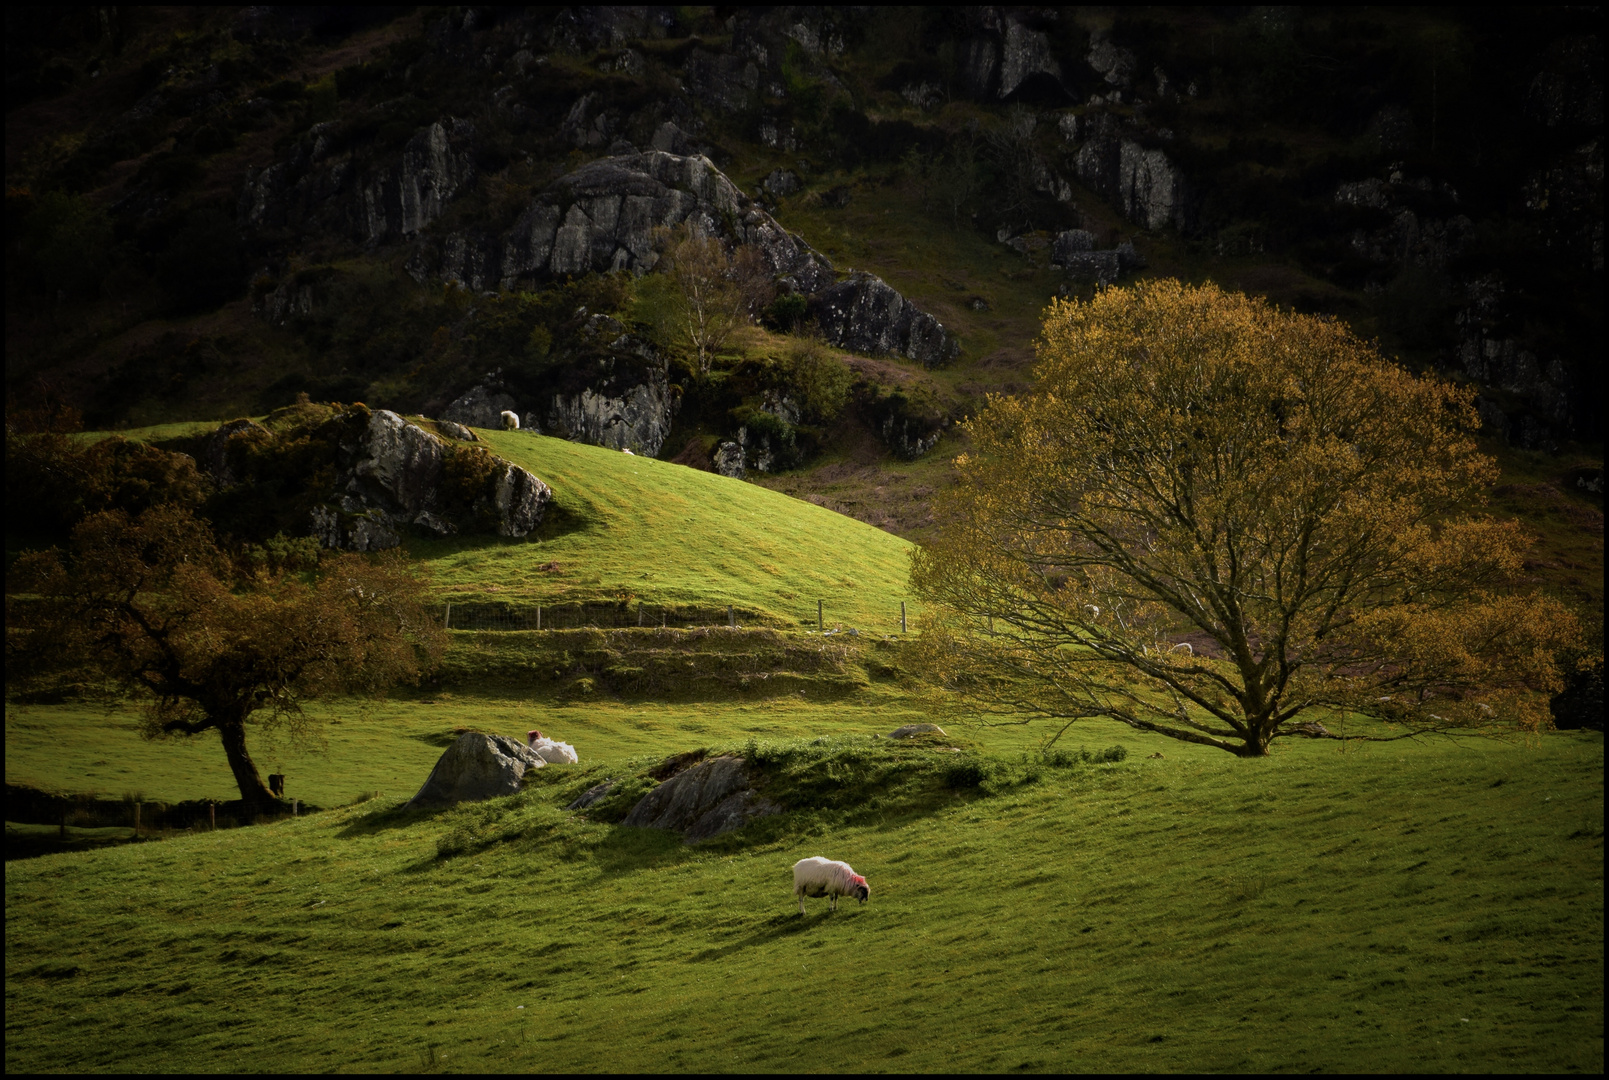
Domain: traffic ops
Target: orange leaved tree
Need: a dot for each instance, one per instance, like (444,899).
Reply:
(1226,523)
(152,604)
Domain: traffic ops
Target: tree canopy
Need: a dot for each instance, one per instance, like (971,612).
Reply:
(1226,523)
(153,604)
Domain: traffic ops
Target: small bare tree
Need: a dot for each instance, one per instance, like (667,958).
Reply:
(718,292)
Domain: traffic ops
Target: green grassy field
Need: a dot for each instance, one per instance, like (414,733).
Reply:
(630,529)
(1403,907)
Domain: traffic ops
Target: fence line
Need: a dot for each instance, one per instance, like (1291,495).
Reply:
(607,616)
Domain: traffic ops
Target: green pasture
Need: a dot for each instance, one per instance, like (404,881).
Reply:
(1409,906)
(631,529)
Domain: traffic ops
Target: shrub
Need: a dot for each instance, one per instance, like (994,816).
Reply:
(785,312)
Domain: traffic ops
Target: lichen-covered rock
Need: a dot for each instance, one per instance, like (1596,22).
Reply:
(706,800)
(475,767)
(316,188)
(520,500)
(601,218)
(1069,243)
(400,467)
(456,431)
(480,406)
(908,731)
(865,314)
(1113,62)
(1025,53)
(729,460)
(1142,180)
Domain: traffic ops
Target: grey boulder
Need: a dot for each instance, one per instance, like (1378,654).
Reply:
(911,730)
(475,767)
(706,800)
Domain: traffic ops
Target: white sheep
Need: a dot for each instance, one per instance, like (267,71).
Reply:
(816,876)
(511,420)
(551,750)
(628,450)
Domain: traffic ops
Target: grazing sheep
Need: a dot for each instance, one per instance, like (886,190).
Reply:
(628,450)
(511,421)
(551,750)
(816,876)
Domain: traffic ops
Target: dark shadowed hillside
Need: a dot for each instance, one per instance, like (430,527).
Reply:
(453,211)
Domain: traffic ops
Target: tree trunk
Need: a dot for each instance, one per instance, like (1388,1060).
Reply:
(253,791)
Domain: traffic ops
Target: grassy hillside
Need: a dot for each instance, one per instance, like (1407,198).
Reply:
(633,529)
(1408,907)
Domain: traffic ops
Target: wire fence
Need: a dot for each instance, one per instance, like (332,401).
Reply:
(609,616)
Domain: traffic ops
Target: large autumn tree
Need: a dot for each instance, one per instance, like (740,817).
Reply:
(210,642)
(1227,523)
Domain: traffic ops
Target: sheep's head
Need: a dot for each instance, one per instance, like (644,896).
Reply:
(862,890)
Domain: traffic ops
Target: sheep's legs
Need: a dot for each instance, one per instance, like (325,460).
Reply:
(835,902)
(801,905)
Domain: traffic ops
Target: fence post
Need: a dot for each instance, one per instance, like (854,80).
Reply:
(662,618)
(539,616)
(294,804)
(447,618)
(902,616)
(212,816)
(137,819)
(819,625)
(639,613)
(731,620)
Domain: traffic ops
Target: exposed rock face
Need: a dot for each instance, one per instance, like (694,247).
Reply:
(1084,264)
(601,218)
(481,406)
(390,479)
(1070,243)
(864,314)
(782,182)
(1142,181)
(456,431)
(1025,53)
(1112,62)
(706,800)
(316,188)
(729,460)
(476,767)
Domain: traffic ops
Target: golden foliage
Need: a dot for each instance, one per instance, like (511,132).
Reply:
(154,605)
(1212,517)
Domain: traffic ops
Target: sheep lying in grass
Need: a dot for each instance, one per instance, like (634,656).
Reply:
(511,421)
(551,750)
(816,876)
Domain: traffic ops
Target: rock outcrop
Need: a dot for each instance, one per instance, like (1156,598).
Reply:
(708,799)
(865,314)
(475,767)
(1141,180)
(601,217)
(318,187)
(1074,251)
(391,476)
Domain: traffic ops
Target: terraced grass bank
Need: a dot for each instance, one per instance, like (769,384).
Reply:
(1404,907)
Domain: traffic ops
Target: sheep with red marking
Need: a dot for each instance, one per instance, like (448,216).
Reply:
(816,876)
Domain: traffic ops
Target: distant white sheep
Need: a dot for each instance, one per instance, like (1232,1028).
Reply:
(511,421)
(628,450)
(816,876)
(550,750)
